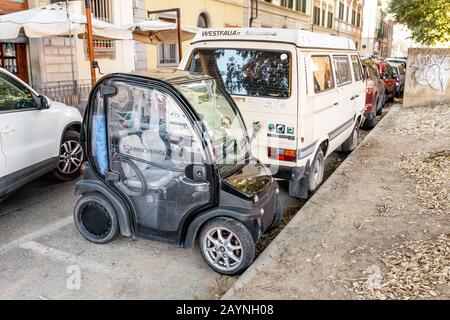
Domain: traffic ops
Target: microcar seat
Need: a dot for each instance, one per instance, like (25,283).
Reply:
(155,177)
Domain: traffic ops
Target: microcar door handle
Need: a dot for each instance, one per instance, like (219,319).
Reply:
(8,130)
(336,103)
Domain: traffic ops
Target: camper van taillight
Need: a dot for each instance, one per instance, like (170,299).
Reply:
(282,154)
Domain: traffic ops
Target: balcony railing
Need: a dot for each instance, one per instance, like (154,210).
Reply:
(70,94)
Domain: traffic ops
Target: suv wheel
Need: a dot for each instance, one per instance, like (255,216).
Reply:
(227,246)
(71,157)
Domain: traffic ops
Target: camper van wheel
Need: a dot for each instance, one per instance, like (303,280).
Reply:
(350,144)
(96,218)
(278,216)
(227,246)
(316,171)
(369,123)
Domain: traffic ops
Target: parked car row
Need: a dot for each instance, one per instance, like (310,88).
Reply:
(180,155)
(385,81)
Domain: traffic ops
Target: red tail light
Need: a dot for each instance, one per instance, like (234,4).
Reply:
(282,154)
(83,167)
(370,86)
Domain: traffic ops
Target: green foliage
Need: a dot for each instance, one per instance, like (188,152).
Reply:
(428,20)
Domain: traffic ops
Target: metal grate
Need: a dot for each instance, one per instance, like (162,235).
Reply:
(69,94)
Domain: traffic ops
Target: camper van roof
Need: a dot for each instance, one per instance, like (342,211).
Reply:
(300,38)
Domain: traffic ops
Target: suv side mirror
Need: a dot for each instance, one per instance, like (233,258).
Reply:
(195,172)
(43,102)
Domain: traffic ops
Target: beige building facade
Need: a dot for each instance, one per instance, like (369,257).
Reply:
(197,13)
(336,17)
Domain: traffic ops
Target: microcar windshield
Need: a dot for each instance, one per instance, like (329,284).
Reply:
(221,121)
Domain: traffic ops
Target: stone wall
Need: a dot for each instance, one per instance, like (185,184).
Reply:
(50,58)
(427,77)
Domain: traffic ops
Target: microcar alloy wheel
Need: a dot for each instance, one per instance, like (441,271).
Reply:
(227,246)
(96,218)
(71,157)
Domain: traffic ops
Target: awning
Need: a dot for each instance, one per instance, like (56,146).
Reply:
(52,21)
(157,31)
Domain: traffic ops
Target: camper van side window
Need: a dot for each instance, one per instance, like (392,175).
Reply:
(343,72)
(322,73)
(357,71)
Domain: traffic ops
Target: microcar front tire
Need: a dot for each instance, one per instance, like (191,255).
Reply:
(227,246)
(96,218)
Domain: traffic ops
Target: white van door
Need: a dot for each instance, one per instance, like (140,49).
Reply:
(359,86)
(346,113)
(323,103)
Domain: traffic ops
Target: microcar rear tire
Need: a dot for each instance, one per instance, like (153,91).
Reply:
(71,157)
(316,171)
(237,247)
(96,218)
(278,216)
(352,142)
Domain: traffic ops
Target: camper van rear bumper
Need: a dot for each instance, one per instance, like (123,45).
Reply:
(287,173)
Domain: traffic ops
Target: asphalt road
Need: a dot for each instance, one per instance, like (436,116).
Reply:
(42,255)
(40,251)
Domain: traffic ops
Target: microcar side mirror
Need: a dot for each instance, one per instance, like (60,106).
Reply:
(195,172)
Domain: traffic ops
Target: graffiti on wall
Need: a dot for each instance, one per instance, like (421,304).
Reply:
(431,69)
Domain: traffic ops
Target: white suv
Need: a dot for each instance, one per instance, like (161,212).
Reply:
(37,136)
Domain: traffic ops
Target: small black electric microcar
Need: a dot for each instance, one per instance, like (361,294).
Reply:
(169,159)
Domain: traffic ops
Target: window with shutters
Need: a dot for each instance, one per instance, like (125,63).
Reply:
(102,10)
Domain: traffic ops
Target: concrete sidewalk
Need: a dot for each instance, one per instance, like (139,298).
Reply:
(376,228)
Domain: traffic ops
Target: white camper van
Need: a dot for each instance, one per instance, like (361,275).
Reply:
(302,94)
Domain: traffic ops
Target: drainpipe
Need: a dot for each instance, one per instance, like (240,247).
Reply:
(253,8)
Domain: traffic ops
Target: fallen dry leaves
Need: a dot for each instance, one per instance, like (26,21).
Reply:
(418,121)
(430,173)
(413,270)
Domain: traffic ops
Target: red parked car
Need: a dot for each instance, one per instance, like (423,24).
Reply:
(375,93)
(386,73)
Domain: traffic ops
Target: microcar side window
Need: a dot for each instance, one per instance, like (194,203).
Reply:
(343,72)
(322,73)
(246,72)
(99,142)
(147,125)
